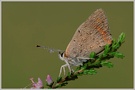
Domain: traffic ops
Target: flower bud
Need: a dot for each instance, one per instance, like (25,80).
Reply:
(49,80)
(37,85)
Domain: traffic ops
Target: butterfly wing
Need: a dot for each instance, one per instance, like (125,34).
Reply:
(91,36)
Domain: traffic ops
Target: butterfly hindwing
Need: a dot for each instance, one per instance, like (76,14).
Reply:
(91,36)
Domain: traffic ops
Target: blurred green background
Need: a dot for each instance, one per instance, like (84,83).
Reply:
(26,24)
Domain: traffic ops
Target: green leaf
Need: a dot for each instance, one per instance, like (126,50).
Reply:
(84,66)
(100,56)
(112,54)
(59,79)
(57,86)
(92,54)
(114,42)
(116,46)
(64,83)
(69,74)
(104,55)
(121,38)
(119,55)
(108,64)
(113,45)
(89,63)
(90,72)
(107,49)
(85,72)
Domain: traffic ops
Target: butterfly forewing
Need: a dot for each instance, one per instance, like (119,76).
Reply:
(91,36)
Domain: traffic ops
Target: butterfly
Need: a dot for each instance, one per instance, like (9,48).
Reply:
(91,36)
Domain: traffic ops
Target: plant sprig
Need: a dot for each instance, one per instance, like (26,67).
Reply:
(88,67)
(97,61)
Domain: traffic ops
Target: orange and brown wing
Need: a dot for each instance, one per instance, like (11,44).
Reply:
(91,36)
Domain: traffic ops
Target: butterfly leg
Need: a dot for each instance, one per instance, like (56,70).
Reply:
(73,62)
(83,59)
(68,66)
(62,68)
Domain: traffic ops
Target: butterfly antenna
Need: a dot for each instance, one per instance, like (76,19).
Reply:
(51,50)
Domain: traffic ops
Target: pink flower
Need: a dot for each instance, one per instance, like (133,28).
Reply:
(49,80)
(37,85)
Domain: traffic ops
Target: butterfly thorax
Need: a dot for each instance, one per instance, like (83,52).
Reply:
(72,61)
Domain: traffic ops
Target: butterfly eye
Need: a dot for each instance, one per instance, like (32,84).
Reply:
(61,54)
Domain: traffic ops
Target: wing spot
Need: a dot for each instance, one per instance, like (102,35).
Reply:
(80,51)
(100,46)
(80,45)
(85,26)
(98,42)
(91,46)
(90,32)
(87,33)
(80,34)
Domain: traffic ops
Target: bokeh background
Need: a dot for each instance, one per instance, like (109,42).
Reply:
(26,24)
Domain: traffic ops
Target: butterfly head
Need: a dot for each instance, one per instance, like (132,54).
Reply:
(61,55)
